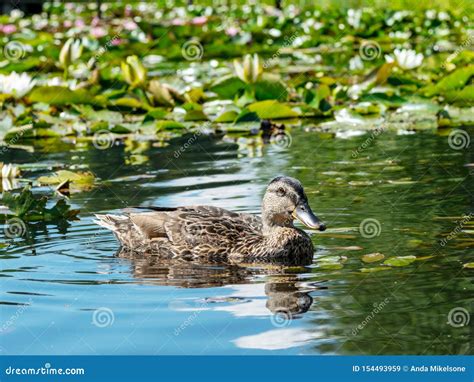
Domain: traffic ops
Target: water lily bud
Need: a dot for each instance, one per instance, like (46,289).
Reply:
(70,52)
(133,71)
(250,69)
(161,94)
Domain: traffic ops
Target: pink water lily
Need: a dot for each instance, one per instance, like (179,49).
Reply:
(201,20)
(130,25)
(177,22)
(231,31)
(9,29)
(98,32)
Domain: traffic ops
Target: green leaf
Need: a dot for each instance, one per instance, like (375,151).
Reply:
(99,115)
(374,269)
(127,102)
(464,96)
(454,80)
(272,110)
(270,89)
(30,208)
(372,257)
(228,87)
(227,116)
(195,115)
(58,95)
(169,125)
(155,114)
(247,116)
(83,180)
(468,265)
(400,261)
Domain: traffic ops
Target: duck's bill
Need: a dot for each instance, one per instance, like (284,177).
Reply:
(304,214)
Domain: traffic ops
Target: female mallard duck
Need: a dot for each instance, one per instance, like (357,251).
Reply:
(204,231)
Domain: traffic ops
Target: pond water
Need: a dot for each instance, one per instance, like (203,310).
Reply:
(65,290)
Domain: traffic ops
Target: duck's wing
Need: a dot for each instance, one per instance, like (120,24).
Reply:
(196,225)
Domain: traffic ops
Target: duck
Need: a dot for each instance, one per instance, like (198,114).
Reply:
(211,232)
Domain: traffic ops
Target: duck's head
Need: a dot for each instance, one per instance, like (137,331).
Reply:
(284,201)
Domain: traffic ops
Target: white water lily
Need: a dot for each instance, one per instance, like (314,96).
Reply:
(249,70)
(16,84)
(353,17)
(70,52)
(356,63)
(9,171)
(405,58)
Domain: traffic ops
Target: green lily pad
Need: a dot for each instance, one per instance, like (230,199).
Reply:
(400,261)
(227,116)
(99,115)
(372,257)
(129,102)
(57,95)
(247,116)
(195,115)
(169,125)
(454,80)
(374,269)
(266,89)
(155,114)
(228,87)
(81,179)
(272,110)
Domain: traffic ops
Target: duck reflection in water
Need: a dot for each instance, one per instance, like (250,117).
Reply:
(281,292)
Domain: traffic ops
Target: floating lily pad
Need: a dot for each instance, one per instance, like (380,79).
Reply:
(57,95)
(228,87)
(169,125)
(83,180)
(272,110)
(372,257)
(400,261)
(374,269)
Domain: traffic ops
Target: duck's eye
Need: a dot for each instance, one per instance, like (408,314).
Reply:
(281,191)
